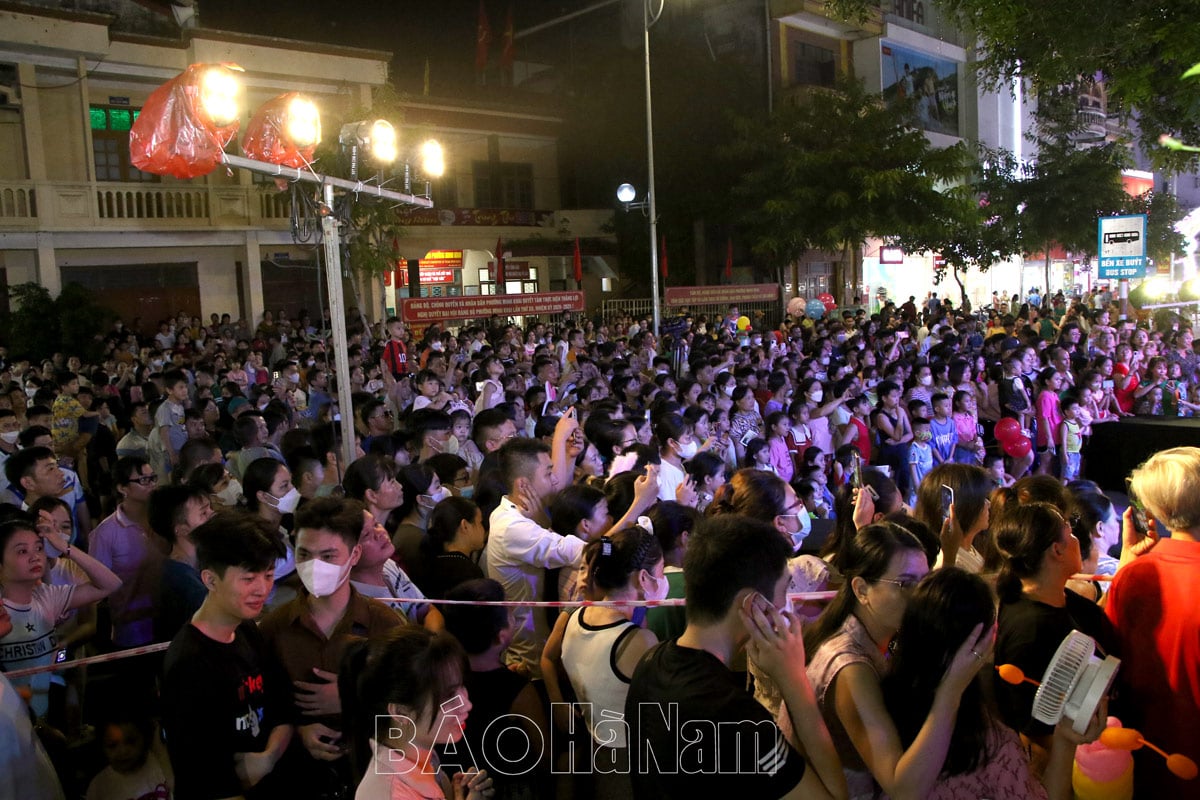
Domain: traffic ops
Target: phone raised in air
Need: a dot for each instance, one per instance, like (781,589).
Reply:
(856,481)
(1141,522)
(947,500)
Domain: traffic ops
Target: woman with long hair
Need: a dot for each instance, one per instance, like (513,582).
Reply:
(1037,610)
(939,636)
(971,488)
(268,494)
(849,644)
(413,679)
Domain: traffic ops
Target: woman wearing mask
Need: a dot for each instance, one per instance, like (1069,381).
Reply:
(602,646)
(269,495)
(766,497)
(677,444)
(421,492)
(820,411)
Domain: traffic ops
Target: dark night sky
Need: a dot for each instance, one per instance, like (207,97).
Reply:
(442,31)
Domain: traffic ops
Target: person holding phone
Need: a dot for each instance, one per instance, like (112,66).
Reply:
(736,600)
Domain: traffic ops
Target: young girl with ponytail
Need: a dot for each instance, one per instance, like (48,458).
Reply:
(602,645)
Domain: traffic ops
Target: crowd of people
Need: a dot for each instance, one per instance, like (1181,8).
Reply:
(405,622)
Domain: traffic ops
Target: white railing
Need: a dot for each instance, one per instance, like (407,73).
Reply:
(65,205)
(151,202)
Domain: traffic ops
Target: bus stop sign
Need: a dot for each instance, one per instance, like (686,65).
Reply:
(1122,247)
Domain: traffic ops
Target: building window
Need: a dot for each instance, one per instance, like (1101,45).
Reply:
(814,66)
(110,144)
(503,185)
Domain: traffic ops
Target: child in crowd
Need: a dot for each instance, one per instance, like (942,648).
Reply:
(969,448)
(138,766)
(920,455)
(758,455)
(778,427)
(994,464)
(943,429)
(799,435)
(1071,435)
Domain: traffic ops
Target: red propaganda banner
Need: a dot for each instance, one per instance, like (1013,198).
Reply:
(722,294)
(513,270)
(441,309)
(431,275)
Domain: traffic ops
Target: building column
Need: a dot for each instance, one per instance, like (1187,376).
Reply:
(48,274)
(252,289)
(31,123)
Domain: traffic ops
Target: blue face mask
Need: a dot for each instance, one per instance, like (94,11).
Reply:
(467,492)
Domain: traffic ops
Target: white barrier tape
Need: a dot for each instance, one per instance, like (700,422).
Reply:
(158,648)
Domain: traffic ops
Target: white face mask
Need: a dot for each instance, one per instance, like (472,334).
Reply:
(294,377)
(798,536)
(660,590)
(686,451)
(10,437)
(287,504)
(816,395)
(728,390)
(926,380)
(321,578)
(231,494)
(441,494)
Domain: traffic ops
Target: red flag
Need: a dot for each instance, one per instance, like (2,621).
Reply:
(578,263)
(499,276)
(662,260)
(508,51)
(483,39)
(729,258)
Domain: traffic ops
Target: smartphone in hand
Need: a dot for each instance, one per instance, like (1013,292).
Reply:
(947,500)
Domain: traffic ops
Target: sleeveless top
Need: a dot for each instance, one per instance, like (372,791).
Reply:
(850,645)
(589,655)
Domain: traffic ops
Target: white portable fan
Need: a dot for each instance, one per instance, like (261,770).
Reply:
(1075,682)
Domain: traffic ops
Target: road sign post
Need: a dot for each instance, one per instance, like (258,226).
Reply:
(1121,247)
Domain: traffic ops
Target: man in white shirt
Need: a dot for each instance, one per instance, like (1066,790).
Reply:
(520,548)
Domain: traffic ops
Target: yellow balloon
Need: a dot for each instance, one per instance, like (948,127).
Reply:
(743,323)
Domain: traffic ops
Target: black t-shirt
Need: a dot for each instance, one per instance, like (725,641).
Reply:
(1029,633)
(694,731)
(218,700)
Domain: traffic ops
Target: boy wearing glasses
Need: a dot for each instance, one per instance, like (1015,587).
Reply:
(123,543)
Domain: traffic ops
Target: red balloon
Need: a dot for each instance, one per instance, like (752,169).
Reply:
(1019,447)
(1007,430)
(827,299)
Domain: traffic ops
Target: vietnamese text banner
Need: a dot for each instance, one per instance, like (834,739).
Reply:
(728,293)
(440,309)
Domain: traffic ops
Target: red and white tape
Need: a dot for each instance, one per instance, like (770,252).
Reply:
(133,652)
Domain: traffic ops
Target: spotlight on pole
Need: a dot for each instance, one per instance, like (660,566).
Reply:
(186,123)
(377,139)
(284,130)
(433,160)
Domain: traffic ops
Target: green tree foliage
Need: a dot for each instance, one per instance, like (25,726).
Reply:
(837,169)
(41,325)
(1138,48)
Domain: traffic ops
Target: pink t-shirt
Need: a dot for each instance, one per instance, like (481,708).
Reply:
(1047,409)
(781,457)
(1004,775)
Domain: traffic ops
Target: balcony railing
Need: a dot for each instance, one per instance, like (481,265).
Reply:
(17,202)
(57,205)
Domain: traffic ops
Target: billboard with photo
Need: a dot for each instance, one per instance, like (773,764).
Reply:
(930,82)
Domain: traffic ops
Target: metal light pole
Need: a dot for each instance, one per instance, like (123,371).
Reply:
(648,20)
(333,268)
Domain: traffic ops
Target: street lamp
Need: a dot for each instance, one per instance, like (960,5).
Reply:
(627,195)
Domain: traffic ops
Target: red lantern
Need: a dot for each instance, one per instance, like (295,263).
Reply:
(1007,430)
